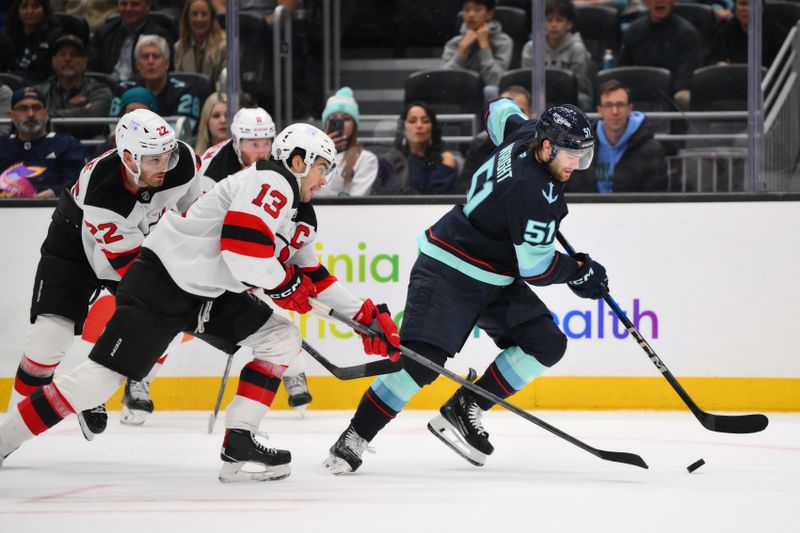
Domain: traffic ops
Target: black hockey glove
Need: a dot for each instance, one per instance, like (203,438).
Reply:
(591,281)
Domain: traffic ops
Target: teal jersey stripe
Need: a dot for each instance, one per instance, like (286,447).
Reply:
(462,266)
(533,260)
(395,389)
(499,112)
(518,368)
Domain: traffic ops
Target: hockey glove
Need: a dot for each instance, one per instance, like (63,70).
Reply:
(591,281)
(380,320)
(294,292)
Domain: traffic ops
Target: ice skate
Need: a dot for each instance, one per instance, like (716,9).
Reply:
(459,426)
(136,403)
(297,390)
(241,449)
(345,454)
(93,421)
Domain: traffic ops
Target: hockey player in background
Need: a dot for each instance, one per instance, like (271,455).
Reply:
(252,134)
(474,268)
(95,234)
(253,229)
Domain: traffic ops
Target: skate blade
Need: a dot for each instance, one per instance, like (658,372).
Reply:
(133,417)
(446,433)
(234,473)
(337,465)
(87,433)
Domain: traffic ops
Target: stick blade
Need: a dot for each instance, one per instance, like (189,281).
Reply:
(623,457)
(734,423)
(212,419)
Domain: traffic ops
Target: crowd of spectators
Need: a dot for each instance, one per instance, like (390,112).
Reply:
(128,58)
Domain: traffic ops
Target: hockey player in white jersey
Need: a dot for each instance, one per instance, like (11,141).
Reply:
(253,132)
(252,230)
(96,232)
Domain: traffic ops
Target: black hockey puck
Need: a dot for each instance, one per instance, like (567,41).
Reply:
(695,465)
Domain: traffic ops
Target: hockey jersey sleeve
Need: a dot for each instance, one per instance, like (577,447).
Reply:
(260,205)
(533,228)
(502,118)
(330,291)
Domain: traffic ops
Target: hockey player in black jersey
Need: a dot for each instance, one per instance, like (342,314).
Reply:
(96,232)
(475,268)
(255,228)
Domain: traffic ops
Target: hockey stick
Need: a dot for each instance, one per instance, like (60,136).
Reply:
(373,368)
(213,418)
(618,457)
(721,423)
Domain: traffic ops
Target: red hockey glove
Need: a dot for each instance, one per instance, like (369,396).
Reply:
(378,318)
(294,292)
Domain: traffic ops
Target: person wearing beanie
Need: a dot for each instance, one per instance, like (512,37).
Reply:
(356,168)
(132,99)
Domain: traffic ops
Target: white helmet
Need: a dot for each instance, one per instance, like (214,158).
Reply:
(141,132)
(251,123)
(313,141)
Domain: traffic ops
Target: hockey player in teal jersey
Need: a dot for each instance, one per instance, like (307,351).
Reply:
(475,267)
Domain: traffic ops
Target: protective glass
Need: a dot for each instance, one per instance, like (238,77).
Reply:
(577,159)
(161,162)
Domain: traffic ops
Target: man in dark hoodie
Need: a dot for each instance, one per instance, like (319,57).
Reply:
(628,158)
(663,39)
(481,46)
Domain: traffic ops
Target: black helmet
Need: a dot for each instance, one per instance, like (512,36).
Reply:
(566,126)
(568,129)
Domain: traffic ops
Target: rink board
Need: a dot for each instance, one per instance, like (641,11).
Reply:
(710,285)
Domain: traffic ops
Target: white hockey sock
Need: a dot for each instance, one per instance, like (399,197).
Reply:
(13,432)
(88,385)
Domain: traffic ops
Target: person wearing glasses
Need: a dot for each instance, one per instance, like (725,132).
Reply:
(33,161)
(628,157)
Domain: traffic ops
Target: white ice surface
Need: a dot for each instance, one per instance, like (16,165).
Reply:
(162,477)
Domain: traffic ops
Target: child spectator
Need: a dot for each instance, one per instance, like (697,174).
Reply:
(201,43)
(356,168)
(481,45)
(564,49)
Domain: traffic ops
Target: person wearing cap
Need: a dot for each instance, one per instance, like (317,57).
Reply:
(49,161)
(356,168)
(70,94)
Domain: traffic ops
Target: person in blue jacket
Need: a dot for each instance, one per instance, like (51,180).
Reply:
(475,267)
(49,161)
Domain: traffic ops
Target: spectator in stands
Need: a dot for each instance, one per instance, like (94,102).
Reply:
(5,107)
(722,8)
(663,39)
(730,41)
(70,94)
(481,45)
(30,26)
(627,158)
(201,43)
(175,98)
(94,11)
(48,161)
(213,128)
(133,98)
(356,168)
(417,163)
(482,146)
(564,49)
(112,48)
